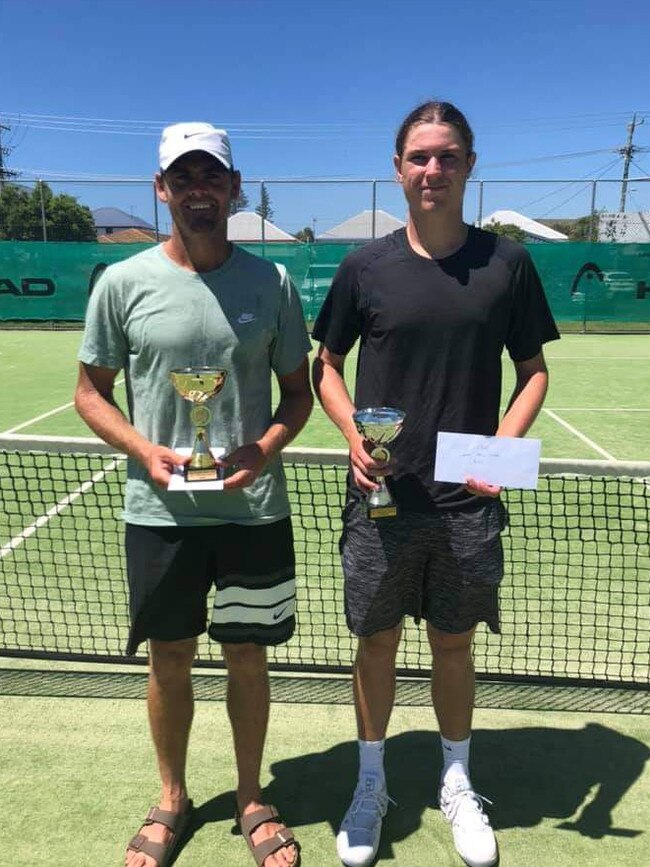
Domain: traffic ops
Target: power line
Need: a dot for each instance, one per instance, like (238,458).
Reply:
(640,167)
(123,126)
(578,192)
(588,175)
(545,159)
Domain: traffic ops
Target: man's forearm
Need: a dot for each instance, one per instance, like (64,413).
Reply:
(334,397)
(106,419)
(524,406)
(288,420)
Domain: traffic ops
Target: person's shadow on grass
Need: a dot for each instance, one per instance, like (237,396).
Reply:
(529,773)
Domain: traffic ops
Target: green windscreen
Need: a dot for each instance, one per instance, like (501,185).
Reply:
(589,286)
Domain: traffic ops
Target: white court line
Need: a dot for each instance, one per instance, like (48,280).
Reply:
(578,434)
(644,359)
(56,510)
(600,409)
(31,421)
(38,418)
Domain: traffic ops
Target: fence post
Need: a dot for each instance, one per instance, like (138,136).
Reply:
(480,204)
(262,191)
(43,223)
(155,212)
(374,209)
(592,221)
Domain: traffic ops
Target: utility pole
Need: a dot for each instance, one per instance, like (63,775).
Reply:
(5,173)
(628,151)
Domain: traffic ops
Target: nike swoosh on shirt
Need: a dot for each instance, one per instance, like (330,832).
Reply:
(244,318)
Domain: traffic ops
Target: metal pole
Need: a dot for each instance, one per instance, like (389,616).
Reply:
(155,212)
(627,152)
(374,209)
(262,191)
(43,223)
(592,222)
(480,203)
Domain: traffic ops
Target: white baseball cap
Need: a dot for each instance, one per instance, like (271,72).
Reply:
(181,138)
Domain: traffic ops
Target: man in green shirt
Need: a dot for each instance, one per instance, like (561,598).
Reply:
(197,300)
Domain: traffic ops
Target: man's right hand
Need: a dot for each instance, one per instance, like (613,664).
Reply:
(160,461)
(365,467)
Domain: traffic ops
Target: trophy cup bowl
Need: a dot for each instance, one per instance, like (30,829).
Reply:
(379,425)
(198,385)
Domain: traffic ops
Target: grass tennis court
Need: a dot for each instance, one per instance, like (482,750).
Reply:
(575,602)
(568,786)
(598,404)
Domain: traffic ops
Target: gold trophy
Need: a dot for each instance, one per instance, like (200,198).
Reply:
(199,384)
(379,425)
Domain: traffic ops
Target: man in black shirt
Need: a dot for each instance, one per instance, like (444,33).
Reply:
(433,306)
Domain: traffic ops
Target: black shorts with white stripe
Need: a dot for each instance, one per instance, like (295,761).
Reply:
(172,570)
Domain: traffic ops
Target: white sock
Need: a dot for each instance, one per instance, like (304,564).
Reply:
(371,760)
(455,757)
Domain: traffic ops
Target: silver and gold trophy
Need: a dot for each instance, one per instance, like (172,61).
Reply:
(198,385)
(379,425)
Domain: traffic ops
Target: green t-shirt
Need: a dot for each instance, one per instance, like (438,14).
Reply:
(147,315)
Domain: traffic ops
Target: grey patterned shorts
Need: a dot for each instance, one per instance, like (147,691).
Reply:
(445,567)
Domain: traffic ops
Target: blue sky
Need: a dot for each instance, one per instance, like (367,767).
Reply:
(318,89)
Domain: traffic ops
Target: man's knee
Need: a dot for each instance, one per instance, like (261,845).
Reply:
(244,659)
(450,645)
(382,645)
(171,660)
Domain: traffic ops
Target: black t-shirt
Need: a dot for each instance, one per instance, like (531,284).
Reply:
(432,334)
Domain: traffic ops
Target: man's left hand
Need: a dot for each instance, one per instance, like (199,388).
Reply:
(481,489)
(246,463)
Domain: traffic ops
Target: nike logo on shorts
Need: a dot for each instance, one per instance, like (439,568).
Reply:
(278,614)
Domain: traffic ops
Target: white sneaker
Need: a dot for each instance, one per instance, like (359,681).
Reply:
(473,835)
(358,838)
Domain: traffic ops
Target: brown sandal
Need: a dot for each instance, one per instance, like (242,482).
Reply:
(283,837)
(161,852)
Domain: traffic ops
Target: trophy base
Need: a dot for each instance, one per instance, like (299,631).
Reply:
(181,481)
(378,512)
(203,474)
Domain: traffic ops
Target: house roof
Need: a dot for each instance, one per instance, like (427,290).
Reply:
(247,226)
(132,236)
(359,227)
(531,227)
(115,218)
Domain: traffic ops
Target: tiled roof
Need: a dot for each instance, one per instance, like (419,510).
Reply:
(115,218)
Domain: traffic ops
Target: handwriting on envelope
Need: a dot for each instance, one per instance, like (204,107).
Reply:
(511,462)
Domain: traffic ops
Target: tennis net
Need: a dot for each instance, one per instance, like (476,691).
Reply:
(575,601)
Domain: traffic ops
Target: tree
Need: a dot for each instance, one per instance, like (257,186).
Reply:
(578,229)
(264,208)
(508,230)
(21,215)
(240,203)
(306,235)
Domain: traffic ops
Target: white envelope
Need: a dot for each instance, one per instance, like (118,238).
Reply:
(511,462)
